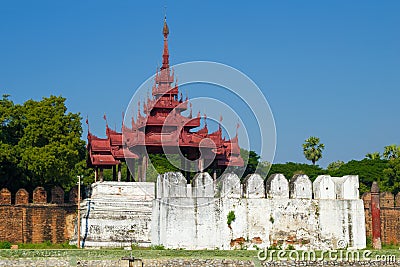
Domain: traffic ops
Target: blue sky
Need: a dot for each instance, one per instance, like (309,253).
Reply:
(327,68)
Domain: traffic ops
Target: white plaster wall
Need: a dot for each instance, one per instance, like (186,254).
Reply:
(171,184)
(253,186)
(324,187)
(202,185)
(277,186)
(228,185)
(125,190)
(117,214)
(185,216)
(343,220)
(306,223)
(315,224)
(300,186)
(350,187)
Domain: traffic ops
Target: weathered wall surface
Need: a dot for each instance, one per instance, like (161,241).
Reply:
(37,222)
(185,217)
(116,215)
(390,216)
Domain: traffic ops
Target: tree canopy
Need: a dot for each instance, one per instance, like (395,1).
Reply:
(40,144)
(391,152)
(312,149)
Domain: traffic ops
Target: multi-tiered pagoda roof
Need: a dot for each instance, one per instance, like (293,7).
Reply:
(164,129)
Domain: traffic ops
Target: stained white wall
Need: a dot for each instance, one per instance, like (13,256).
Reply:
(304,222)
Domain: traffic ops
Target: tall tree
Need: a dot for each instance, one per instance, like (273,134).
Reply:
(391,152)
(391,180)
(373,156)
(312,149)
(335,165)
(40,144)
(253,164)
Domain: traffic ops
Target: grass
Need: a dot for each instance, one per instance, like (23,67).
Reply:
(97,254)
(46,245)
(47,249)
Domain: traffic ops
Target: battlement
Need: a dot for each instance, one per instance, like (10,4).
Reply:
(39,196)
(37,217)
(386,200)
(262,213)
(276,186)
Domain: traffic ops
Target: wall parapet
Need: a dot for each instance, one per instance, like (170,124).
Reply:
(39,196)
(276,186)
(228,214)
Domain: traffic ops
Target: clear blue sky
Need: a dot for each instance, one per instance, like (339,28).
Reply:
(327,68)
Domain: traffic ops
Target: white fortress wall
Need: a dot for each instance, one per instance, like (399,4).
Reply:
(272,212)
(198,221)
(117,214)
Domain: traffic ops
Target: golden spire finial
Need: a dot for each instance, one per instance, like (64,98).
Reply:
(165,28)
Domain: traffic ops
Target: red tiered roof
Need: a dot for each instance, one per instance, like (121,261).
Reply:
(163,125)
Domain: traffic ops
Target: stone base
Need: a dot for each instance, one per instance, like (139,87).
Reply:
(118,214)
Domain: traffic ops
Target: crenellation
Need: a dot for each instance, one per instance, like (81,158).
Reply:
(5,197)
(386,200)
(202,185)
(253,186)
(39,195)
(171,184)
(21,197)
(324,187)
(73,195)
(57,195)
(277,186)
(228,186)
(300,186)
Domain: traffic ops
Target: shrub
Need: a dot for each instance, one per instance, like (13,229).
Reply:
(230,218)
(5,245)
(157,247)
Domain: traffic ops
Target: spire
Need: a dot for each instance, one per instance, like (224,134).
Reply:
(165,63)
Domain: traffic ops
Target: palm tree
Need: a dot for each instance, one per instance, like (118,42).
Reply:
(312,149)
(373,155)
(392,152)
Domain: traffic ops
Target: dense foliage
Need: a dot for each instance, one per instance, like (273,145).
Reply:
(40,144)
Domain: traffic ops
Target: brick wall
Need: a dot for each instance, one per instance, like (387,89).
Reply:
(24,222)
(390,216)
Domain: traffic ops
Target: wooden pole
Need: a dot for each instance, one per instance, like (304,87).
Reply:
(79,211)
(119,172)
(101,175)
(114,169)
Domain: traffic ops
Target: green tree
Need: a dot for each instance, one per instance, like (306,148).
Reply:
(367,170)
(312,149)
(391,152)
(373,155)
(40,144)
(253,163)
(335,165)
(391,180)
(291,168)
